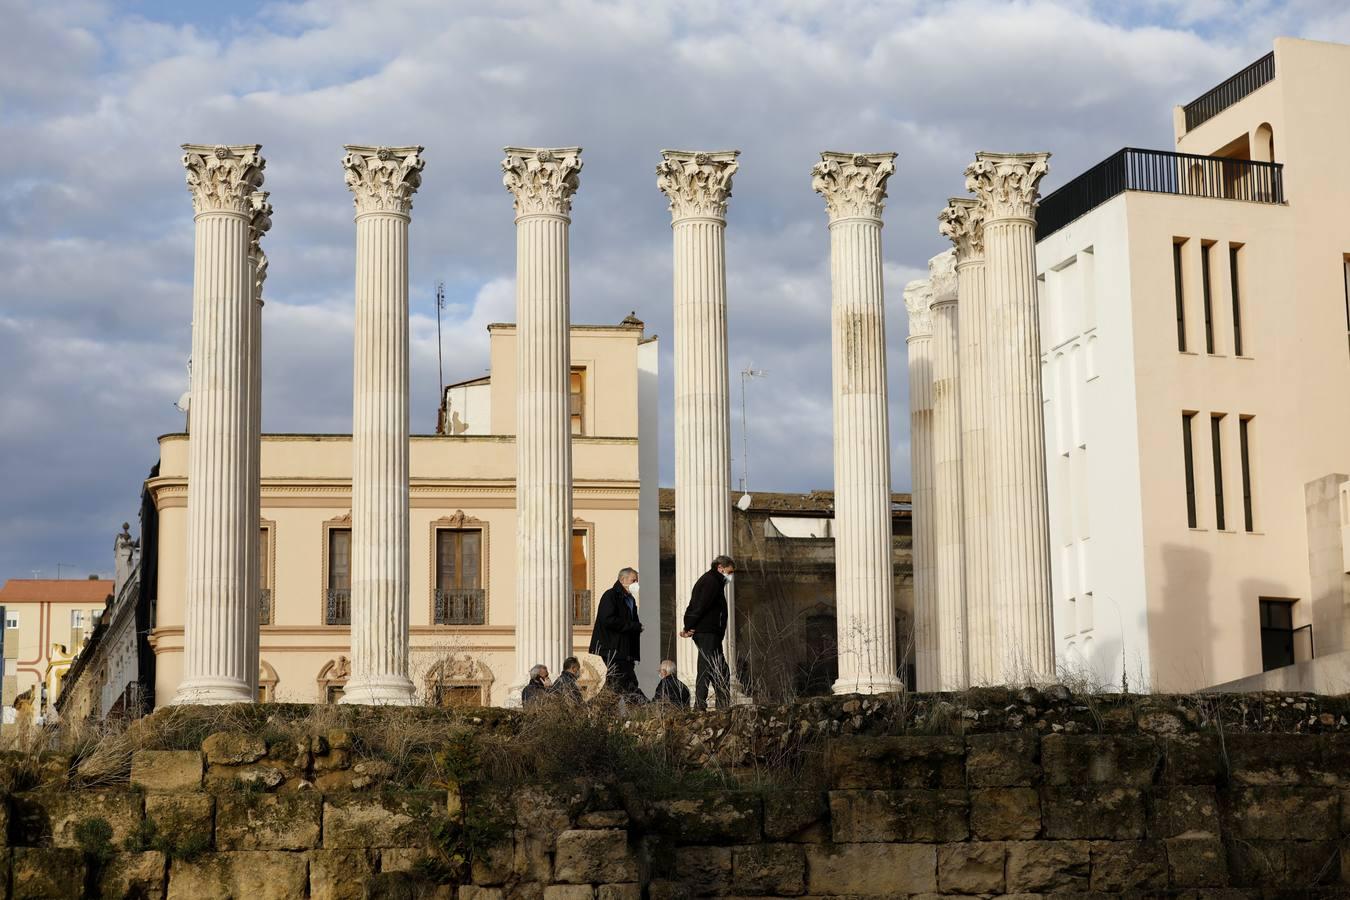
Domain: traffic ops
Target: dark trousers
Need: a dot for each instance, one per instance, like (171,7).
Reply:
(712,666)
(620,676)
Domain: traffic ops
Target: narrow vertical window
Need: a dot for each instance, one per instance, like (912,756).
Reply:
(1244,445)
(1205,297)
(1188,453)
(1181,294)
(1215,428)
(1345,264)
(1237,298)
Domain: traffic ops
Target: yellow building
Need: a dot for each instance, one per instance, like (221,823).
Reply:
(46,622)
(463,523)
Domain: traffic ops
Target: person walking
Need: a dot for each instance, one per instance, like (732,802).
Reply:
(705,621)
(615,638)
(537,690)
(670,689)
(566,685)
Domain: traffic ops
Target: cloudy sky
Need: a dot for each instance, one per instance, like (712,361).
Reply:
(96,227)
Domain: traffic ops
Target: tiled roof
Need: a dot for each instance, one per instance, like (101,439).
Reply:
(55,590)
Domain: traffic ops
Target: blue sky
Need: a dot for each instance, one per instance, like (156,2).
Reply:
(96,231)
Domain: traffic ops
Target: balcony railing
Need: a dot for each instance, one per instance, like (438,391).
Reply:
(1217,99)
(339,611)
(1163,172)
(460,606)
(581,607)
(265,607)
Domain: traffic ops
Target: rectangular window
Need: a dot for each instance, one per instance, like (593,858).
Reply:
(1277,633)
(581,577)
(1188,452)
(1205,296)
(12,619)
(1237,297)
(264,577)
(1177,244)
(576,399)
(1244,446)
(1345,264)
(77,618)
(1216,440)
(459,577)
(339,587)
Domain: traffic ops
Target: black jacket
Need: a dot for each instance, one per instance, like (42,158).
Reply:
(565,686)
(672,690)
(534,692)
(617,629)
(707,612)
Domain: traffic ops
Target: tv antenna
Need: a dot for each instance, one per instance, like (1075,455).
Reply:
(746,374)
(440,369)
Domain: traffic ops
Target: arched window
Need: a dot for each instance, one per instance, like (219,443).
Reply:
(267,682)
(1263,144)
(333,679)
(459,680)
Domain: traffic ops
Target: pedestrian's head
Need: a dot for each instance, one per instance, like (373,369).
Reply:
(667,667)
(724,564)
(572,664)
(539,672)
(628,577)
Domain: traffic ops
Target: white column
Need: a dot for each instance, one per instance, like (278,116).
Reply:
(259,225)
(854,188)
(382,181)
(963,222)
(216,657)
(1006,185)
(542,182)
(698,185)
(919,346)
(953,671)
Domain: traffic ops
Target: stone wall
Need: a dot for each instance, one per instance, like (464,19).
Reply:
(1153,803)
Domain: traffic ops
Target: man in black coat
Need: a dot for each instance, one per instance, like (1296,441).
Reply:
(670,689)
(706,622)
(537,689)
(617,634)
(566,685)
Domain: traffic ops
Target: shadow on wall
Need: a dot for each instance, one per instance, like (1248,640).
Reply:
(1182,632)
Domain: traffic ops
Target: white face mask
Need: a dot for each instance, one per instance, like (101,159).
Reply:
(730,576)
(633,589)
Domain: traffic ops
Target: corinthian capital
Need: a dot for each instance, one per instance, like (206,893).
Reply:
(942,277)
(1007,183)
(919,303)
(222,178)
(542,179)
(259,224)
(853,184)
(698,184)
(962,221)
(383,179)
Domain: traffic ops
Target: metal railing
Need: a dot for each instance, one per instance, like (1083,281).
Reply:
(460,606)
(339,611)
(265,607)
(1161,172)
(1217,99)
(581,607)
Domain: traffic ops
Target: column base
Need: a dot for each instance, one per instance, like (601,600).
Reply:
(212,692)
(386,691)
(868,684)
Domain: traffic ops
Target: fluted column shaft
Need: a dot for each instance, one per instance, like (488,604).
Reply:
(953,673)
(216,622)
(383,181)
(919,348)
(854,188)
(257,261)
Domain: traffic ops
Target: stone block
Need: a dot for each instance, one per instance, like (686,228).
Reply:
(22,771)
(1185,811)
(1084,813)
(373,821)
(543,813)
(900,816)
(1106,759)
(796,816)
(619,892)
(701,872)
(720,817)
(971,868)
(771,869)
(1193,759)
(5,802)
(233,748)
(266,875)
(1049,866)
(1000,814)
(65,812)
(401,859)
(473,892)
(569,892)
(268,821)
(1196,863)
(182,821)
(40,873)
(139,875)
(590,856)
(339,874)
(266,776)
(167,770)
(530,859)
(492,865)
(1259,760)
(895,762)
(1002,760)
(1312,863)
(1128,866)
(1284,813)
(604,818)
(870,869)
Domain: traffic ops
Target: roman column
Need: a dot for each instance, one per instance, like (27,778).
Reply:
(854,188)
(953,673)
(919,347)
(382,181)
(542,182)
(222,181)
(1006,185)
(963,222)
(698,185)
(259,225)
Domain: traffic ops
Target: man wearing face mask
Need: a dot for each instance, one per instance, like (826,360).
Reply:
(705,621)
(615,637)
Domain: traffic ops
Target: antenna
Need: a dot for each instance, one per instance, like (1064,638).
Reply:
(440,370)
(60,566)
(746,374)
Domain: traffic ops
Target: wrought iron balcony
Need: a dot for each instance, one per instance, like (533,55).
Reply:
(1217,99)
(460,606)
(581,607)
(339,611)
(1162,172)
(265,607)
